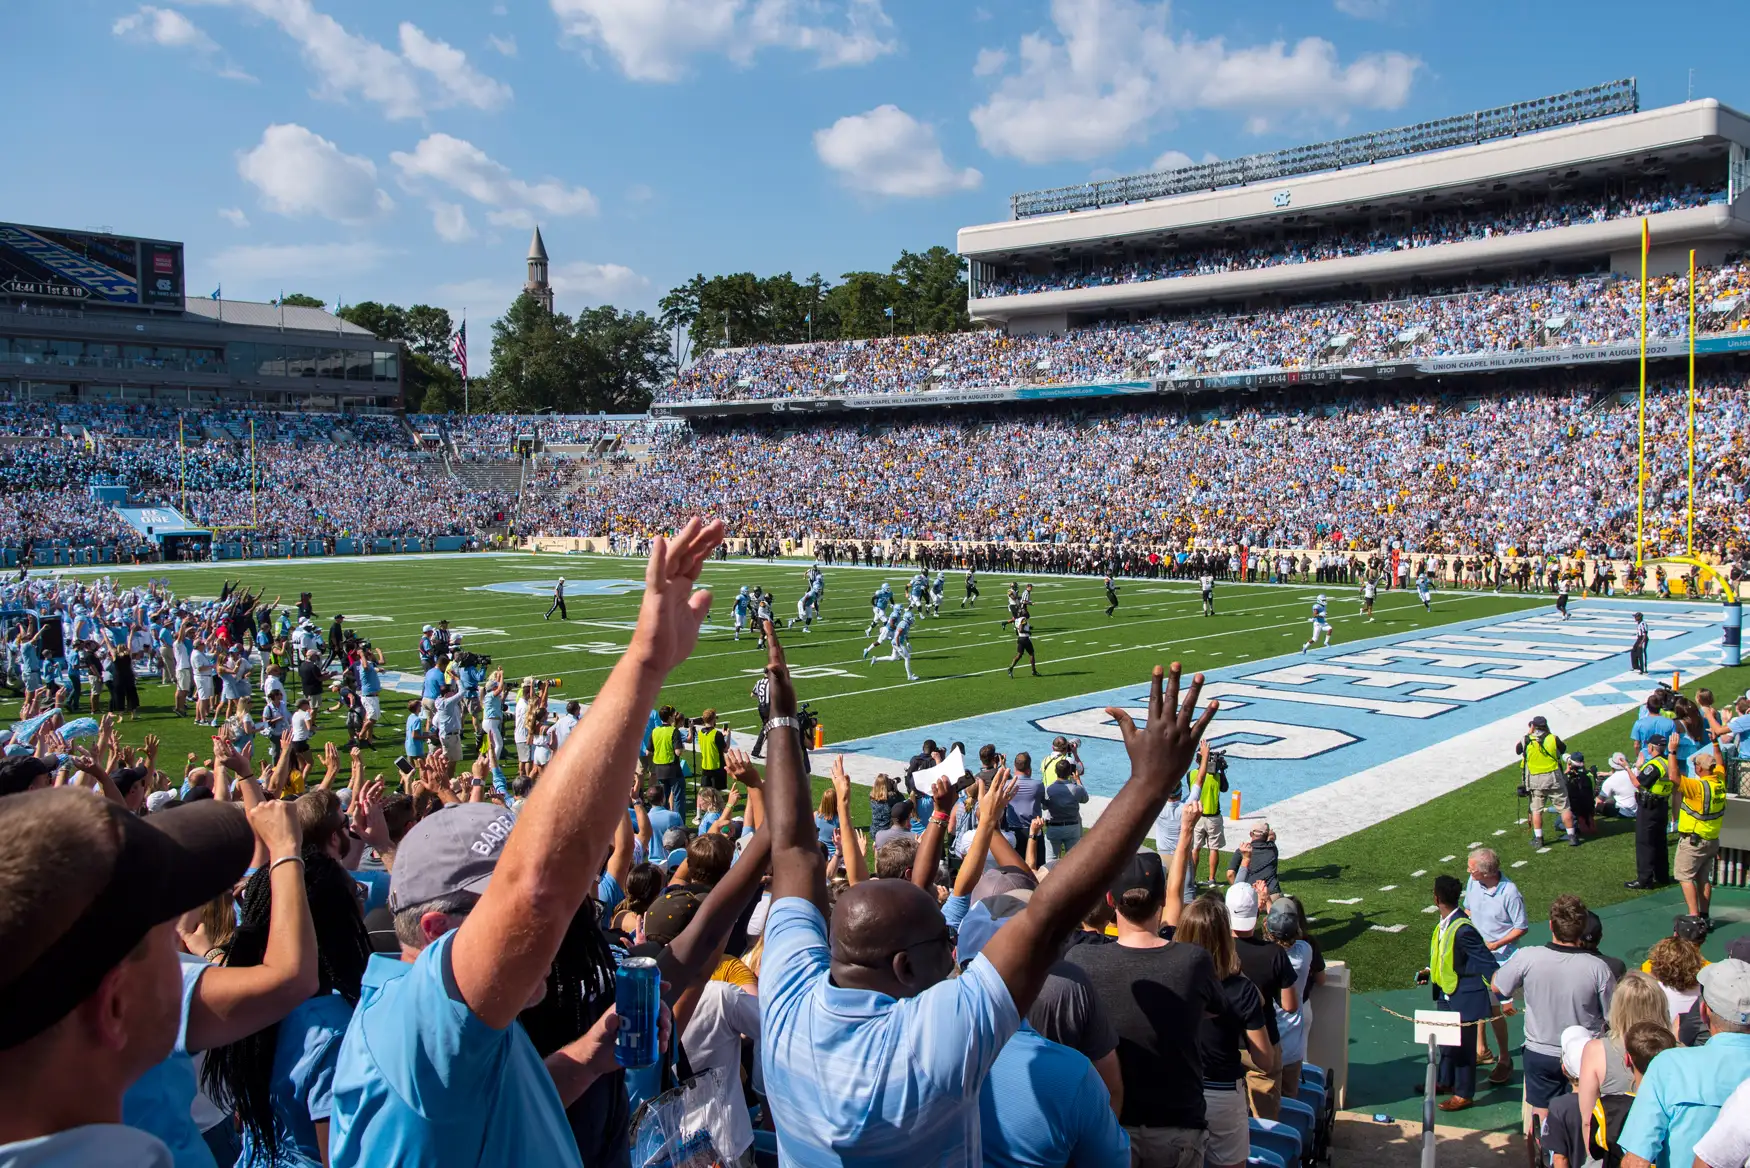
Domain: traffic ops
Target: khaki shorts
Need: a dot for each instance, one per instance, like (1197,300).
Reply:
(1695,860)
(1166,1147)
(1553,798)
(1229,1140)
(1209,833)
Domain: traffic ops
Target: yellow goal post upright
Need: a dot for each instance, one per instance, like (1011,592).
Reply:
(254,482)
(1732,620)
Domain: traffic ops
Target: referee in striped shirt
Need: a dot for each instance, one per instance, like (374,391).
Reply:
(762,694)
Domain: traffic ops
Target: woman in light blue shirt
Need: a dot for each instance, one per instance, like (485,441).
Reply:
(280,1080)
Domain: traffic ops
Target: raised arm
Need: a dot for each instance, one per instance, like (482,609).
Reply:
(929,853)
(505,947)
(798,868)
(1181,862)
(991,802)
(856,860)
(695,953)
(231,1004)
(1024,948)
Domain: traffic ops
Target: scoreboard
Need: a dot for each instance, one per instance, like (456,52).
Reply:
(89,268)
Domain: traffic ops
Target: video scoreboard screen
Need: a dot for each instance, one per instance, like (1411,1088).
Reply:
(85,267)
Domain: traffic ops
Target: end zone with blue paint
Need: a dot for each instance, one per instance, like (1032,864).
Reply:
(1327,742)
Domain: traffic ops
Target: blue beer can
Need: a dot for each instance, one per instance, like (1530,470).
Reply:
(638,1001)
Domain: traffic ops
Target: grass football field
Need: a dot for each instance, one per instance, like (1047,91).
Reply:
(1367,890)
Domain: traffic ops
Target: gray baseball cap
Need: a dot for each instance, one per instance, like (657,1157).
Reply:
(1725,987)
(451,851)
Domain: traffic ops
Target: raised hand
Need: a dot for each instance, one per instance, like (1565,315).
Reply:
(741,769)
(996,796)
(783,695)
(1160,751)
(276,825)
(671,611)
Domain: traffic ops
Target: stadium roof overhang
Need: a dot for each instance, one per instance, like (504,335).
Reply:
(1627,145)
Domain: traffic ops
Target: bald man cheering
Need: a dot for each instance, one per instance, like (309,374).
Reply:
(872,1053)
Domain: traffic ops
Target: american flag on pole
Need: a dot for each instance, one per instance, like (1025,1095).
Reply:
(459,349)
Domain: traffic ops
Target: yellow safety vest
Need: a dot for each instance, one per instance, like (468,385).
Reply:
(1703,821)
(1050,771)
(1209,798)
(662,745)
(710,750)
(1541,756)
(1660,788)
(1441,970)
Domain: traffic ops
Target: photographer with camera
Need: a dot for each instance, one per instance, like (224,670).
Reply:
(1206,791)
(667,741)
(1544,783)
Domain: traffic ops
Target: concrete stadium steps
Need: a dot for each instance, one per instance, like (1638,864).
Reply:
(500,475)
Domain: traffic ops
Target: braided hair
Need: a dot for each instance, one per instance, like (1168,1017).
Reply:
(239,1076)
(580,984)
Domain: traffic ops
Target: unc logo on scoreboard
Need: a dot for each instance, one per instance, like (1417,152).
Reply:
(1282,198)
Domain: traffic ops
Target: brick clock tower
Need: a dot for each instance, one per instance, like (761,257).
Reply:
(536,285)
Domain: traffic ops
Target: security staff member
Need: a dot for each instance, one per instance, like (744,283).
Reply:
(1701,807)
(666,742)
(1542,752)
(711,743)
(1653,788)
(1459,969)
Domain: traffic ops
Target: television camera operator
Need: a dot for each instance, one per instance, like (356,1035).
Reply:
(1207,787)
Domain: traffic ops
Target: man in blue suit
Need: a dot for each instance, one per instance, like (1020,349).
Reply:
(1459,968)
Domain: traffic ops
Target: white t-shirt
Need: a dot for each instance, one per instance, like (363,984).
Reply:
(1620,788)
(562,728)
(520,731)
(1727,1143)
(724,1016)
(301,725)
(203,664)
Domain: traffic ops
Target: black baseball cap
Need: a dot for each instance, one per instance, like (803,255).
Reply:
(18,773)
(1145,871)
(670,914)
(123,876)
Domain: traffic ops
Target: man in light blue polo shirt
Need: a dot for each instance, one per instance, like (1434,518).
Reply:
(1685,1087)
(872,1053)
(435,1069)
(431,685)
(1497,910)
(1655,722)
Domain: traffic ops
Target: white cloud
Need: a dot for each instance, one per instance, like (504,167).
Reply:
(503,45)
(990,61)
(448,65)
(1174,159)
(269,263)
(302,173)
(464,167)
(652,40)
(234,216)
(167,28)
(587,283)
(1364,9)
(348,64)
(888,152)
(1112,71)
(450,221)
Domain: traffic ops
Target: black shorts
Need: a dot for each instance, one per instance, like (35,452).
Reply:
(1544,1080)
(717,779)
(1024,645)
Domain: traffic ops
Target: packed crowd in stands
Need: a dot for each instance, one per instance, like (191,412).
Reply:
(266,955)
(1569,311)
(1428,230)
(489,437)
(1536,472)
(307,484)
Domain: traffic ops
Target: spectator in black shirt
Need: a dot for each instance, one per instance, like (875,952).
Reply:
(1157,992)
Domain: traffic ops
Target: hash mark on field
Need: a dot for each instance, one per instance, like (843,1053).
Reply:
(1520,822)
(1432,908)
(1520,863)
(1388,928)
(1350,900)
(1447,859)
(1388,887)
(1478,844)
(1501,831)
(1418,872)
(1543,851)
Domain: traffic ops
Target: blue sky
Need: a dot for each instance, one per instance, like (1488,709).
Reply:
(399,151)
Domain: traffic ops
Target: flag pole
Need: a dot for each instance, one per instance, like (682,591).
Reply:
(1690,519)
(1641,475)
